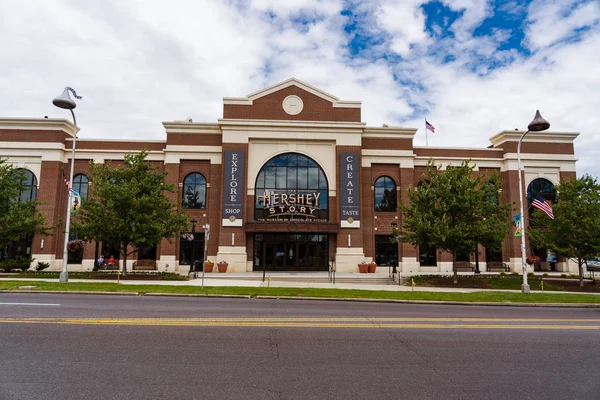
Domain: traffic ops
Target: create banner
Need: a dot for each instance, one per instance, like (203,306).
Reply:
(349,190)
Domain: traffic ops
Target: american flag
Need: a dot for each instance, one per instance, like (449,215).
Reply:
(66,181)
(429,126)
(544,205)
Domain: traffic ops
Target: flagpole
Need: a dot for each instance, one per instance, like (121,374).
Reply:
(426,140)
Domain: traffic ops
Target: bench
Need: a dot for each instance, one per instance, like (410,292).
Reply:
(498,266)
(464,266)
(144,265)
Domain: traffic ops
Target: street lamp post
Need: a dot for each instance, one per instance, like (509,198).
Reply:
(538,124)
(64,101)
(395,262)
(193,221)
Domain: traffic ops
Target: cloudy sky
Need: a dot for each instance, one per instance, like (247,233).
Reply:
(471,67)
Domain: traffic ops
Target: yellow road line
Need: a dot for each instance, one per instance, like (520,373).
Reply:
(289,323)
(361,319)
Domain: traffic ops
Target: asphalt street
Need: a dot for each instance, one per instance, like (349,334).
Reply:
(56,346)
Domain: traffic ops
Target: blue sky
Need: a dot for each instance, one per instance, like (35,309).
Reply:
(471,67)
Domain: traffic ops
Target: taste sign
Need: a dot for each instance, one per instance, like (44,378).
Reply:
(233,187)
(349,190)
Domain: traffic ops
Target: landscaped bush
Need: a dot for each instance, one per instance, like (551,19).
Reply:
(23,264)
(41,265)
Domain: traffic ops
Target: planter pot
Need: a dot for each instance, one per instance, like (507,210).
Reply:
(222,267)
(208,267)
(372,268)
(363,268)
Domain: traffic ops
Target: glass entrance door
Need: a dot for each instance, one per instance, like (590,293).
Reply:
(291,252)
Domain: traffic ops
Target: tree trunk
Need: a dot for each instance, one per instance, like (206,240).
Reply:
(580,264)
(454,268)
(124,255)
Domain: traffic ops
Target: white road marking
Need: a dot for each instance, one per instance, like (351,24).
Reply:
(29,304)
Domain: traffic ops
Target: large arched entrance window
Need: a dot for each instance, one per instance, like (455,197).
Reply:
(385,194)
(290,187)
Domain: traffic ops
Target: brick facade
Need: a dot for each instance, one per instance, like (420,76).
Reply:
(327,124)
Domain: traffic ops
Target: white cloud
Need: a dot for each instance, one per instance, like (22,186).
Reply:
(138,63)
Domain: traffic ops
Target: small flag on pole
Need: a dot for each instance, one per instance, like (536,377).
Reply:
(66,181)
(544,205)
(429,126)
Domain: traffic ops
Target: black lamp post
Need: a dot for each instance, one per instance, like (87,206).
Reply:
(193,221)
(394,262)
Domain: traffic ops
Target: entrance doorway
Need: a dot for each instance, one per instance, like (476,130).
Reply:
(291,252)
(386,252)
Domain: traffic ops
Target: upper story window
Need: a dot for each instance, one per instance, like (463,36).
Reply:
(81,186)
(194,191)
(385,194)
(540,187)
(29,188)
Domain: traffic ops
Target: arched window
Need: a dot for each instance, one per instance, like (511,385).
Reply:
(540,187)
(81,185)
(291,186)
(385,194)
(29,188)
(194,191)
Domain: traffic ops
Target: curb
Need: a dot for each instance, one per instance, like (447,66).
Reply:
(363,300)
(69,292)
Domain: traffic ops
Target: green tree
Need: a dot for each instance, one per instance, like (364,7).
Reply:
(17,218)
(128,206)
(453,210)
(575,230)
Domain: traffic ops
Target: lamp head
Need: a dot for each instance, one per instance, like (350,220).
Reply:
(64,100)
(538,124)
(193,221)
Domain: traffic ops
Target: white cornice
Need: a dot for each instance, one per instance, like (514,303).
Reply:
(389,132)
(546,137)
(248,100)
(192,127)
(46,124)
(278,124)
(490,149)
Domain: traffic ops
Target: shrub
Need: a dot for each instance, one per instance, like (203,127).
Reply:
(502,273)
(515,273)
(563,275)
(41,265)
(545,274)
(530,274)
(23,264)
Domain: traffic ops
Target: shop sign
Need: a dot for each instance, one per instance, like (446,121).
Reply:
(349,190)
(233,187)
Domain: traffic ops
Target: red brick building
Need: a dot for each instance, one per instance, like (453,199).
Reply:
(288,179)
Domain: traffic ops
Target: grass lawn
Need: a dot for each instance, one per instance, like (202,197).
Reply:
(482,296)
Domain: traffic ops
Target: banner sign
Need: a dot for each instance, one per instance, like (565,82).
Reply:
(349,190)
(75,201)
(517,219)
(233,187)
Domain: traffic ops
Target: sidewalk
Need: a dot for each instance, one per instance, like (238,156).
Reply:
(287,280)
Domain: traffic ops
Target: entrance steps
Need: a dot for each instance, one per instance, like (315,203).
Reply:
(357,279)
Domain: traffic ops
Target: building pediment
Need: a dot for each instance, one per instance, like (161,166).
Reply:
(291,99)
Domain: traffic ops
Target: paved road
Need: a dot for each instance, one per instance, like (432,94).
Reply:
(121,347)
